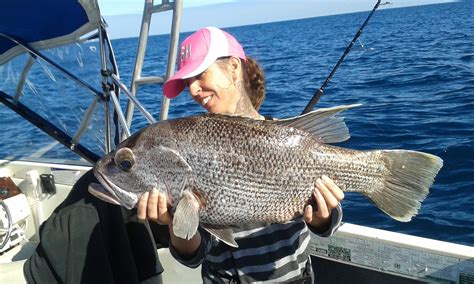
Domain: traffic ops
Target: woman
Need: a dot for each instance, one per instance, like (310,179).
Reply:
(223,80)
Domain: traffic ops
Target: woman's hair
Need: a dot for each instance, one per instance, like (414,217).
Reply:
(254,80)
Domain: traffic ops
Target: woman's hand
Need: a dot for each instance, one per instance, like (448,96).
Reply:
(327,195)
(153,206)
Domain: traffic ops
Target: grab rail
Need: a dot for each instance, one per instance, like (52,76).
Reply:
(137,79)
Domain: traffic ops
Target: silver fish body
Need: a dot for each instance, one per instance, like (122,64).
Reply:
(232,170)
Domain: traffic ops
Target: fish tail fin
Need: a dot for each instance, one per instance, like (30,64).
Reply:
(411,174)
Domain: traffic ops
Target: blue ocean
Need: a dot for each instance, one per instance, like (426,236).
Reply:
(412,70)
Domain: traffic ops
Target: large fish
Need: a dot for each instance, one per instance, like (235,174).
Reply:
(220,171)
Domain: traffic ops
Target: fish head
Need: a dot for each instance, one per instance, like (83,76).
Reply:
(121,179)
(142,162)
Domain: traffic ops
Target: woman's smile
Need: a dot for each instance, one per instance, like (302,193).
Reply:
(206,100)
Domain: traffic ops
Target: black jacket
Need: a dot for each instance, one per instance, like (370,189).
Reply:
(86,240)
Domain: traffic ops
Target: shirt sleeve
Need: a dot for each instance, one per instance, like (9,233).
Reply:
(204,248)
(336,222)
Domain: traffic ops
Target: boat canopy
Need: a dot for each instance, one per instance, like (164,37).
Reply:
(44,24)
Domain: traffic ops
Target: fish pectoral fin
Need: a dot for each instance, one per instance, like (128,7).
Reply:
(173,160)
(224,234)
(99,191)
(186,216)
(322,123)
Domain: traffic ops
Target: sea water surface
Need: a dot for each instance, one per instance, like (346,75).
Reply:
(412,71)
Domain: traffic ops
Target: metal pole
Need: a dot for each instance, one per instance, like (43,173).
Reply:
(133,98)
(121,118)
(142,43)
(173,50)
(105,91)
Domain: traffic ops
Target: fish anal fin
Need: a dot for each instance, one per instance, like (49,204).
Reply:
(224,234)
(186,216)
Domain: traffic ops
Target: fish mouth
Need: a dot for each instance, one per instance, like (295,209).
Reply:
(112,193)
(99,191)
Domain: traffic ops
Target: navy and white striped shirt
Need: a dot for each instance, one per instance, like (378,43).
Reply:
(266,252)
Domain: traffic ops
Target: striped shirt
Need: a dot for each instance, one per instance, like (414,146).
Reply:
(266,252)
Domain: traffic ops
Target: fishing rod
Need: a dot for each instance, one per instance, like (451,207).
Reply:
(320,91)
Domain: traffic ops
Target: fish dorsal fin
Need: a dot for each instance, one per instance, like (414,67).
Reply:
(186,216)
(223,234)
(173,160)
(322,123)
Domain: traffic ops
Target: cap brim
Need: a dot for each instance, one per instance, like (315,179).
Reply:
(173,87)
(175,84)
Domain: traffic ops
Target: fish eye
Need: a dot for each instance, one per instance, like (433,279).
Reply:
(124,159)
(126,165)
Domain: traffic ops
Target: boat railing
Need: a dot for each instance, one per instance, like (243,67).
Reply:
(137,78)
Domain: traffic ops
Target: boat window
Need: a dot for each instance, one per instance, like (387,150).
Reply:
(54,97)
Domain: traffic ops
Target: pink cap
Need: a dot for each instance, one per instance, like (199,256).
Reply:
(199,51)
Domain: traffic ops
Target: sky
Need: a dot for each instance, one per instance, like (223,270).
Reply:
(124,16)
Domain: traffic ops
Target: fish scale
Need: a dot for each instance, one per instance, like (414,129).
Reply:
(354,173)
(290,189)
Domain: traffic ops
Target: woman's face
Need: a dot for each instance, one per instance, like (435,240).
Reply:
(214,89)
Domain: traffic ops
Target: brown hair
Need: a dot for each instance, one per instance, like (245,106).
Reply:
(254,80)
